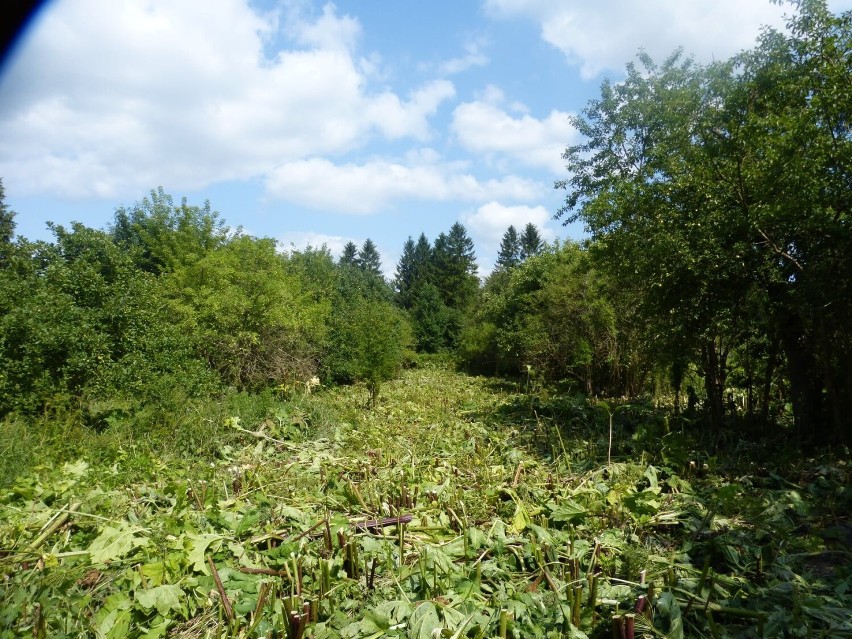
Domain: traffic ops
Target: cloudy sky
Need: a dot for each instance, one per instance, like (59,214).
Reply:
(316,122)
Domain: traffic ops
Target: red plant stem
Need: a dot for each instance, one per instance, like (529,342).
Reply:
(225,602)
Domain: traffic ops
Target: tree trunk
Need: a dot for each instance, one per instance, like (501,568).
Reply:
(714,364)
(803,373)
(771,363)
(833,381)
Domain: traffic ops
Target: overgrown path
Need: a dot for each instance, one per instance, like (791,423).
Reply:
(457,506)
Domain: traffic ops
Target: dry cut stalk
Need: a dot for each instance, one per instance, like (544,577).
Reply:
(374,524)
(262,571)
(225,601)
(53,527)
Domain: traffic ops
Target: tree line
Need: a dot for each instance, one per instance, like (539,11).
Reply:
(716,273)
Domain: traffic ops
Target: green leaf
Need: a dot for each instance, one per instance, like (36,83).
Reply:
(424,621)
(198,550)
(575,633)
(163,598)
(669,606)
(651,475)
(78,469)
(115,542)
(115,625)
(567,510)
(156,631)
(521,519)
(154,572)
(112,621)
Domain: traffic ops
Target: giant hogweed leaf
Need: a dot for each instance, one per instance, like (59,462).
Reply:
(114,625)
(115,542)
(567,510)
(112,621)
(521,518)
(669,607)
(424,621)
(163,598)
(198,545)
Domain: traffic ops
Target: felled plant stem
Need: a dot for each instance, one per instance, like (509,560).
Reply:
(226,604)
(57,523)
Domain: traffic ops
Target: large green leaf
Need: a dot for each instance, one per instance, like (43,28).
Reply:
(424,621)
(115,542)
(163,598)
(567,510)
(198,545)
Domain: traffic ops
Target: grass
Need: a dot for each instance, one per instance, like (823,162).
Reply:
(459,507)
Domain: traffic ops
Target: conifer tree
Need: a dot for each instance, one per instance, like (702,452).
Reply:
(368,258)
(349,255)
(531,242)
(414,270)
(510,250)
(7,227)
(455,268)
(404,278)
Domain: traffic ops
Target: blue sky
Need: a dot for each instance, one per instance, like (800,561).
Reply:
(321,123)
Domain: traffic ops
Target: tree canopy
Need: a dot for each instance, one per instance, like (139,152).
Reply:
(724,190)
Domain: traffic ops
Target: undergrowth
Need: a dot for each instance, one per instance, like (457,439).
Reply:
(458,507)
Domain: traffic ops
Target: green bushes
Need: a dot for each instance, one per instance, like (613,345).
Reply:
(550,313)
(132,325)
(80,323)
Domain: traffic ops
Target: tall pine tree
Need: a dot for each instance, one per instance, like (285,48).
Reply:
(510,250)
(531,242)
(349,255)
(413,271)
(368,258)
(455,268)
(7,227)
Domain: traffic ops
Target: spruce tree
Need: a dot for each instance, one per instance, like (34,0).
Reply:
(423,260)
(531,242)
(455,270)
(349,255)
(404,278)
(368,258)
(7,227)
(510,250)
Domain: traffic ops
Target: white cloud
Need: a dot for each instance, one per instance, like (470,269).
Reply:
(605,35)
(377,184)
(301,240)
(398,119)
(108,99)
(328,31)
(473,57)
(490,221)
(484,127)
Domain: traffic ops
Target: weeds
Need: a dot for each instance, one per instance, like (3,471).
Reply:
(453,508)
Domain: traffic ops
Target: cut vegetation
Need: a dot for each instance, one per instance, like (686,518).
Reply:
(459,507)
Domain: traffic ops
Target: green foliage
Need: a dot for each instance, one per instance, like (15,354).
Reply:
(509,254)
(368,258)
(80,323)
(349,256)
(430,318)
(369,341)
(721,193)
(552,315)
(162,236)
(257,323)
(454,268)
(457,507)
(530,242)
(7,227)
